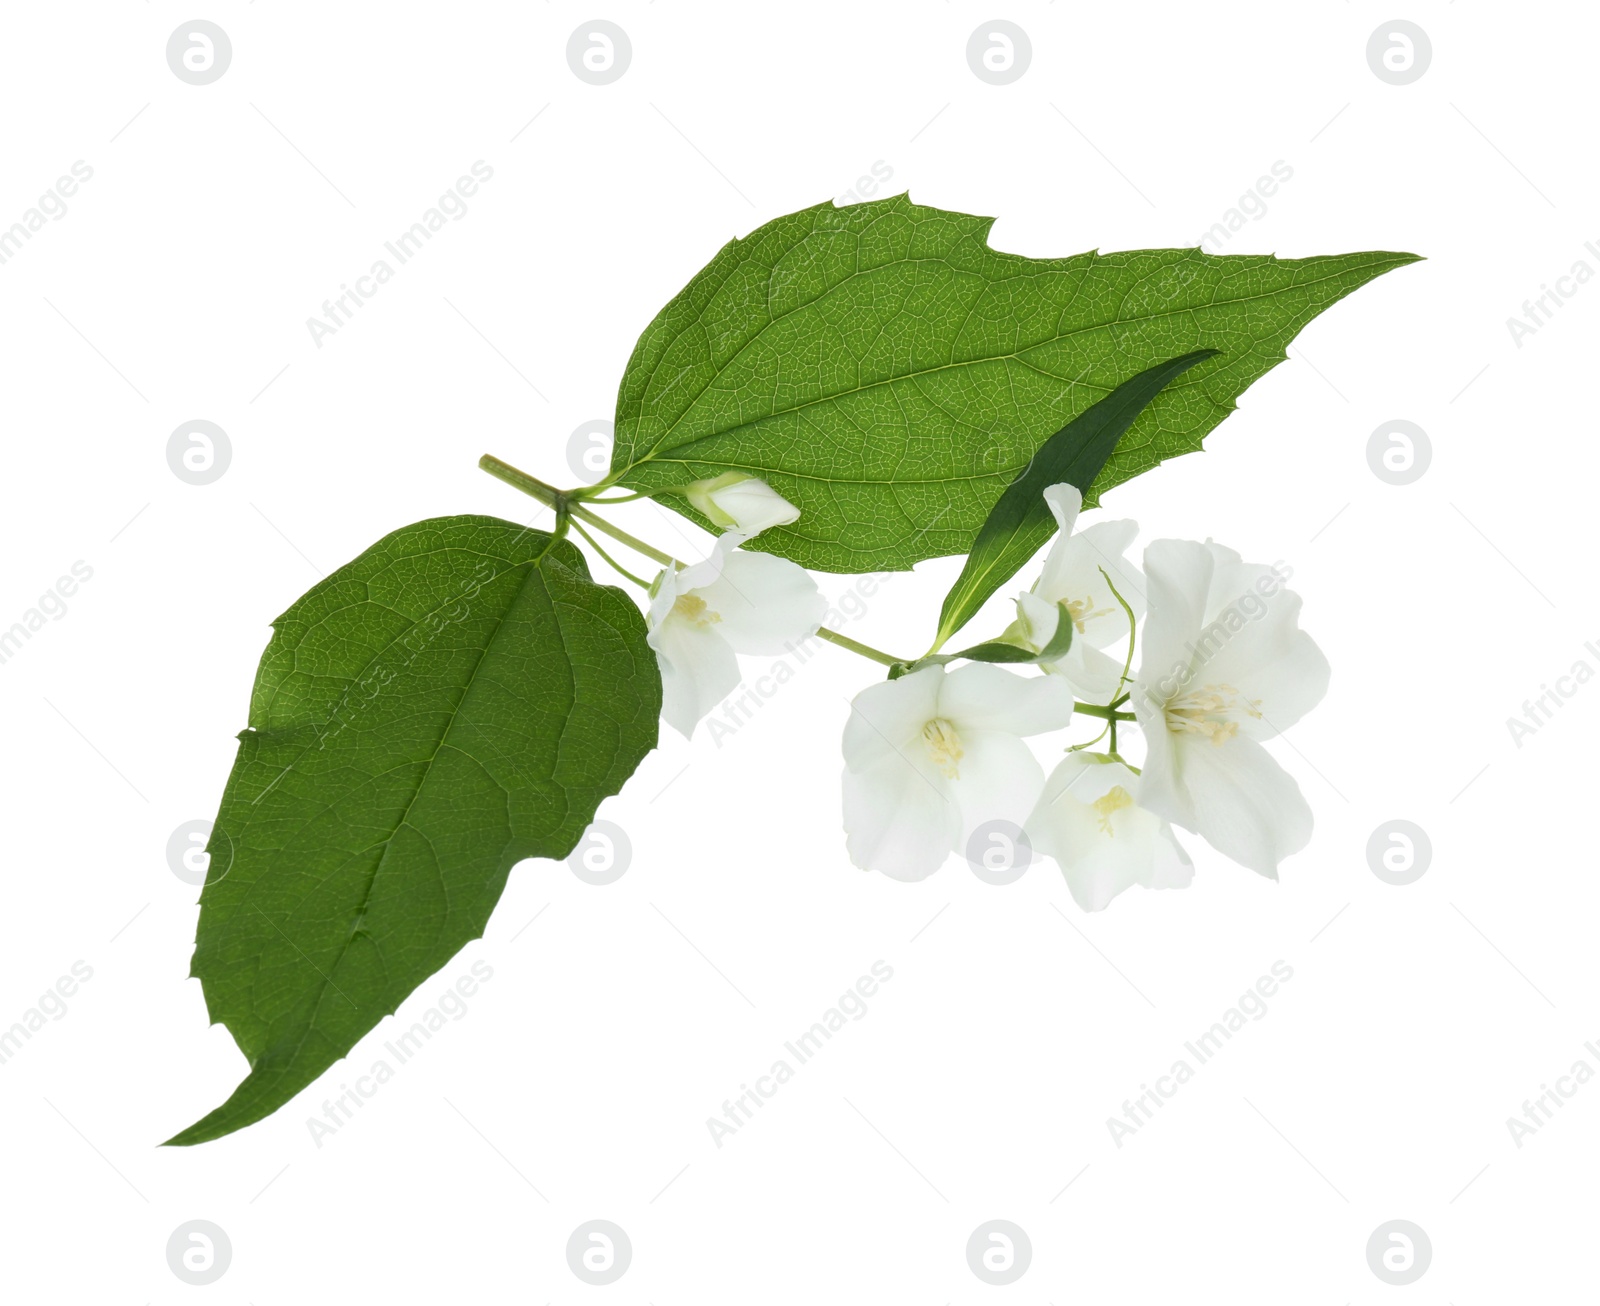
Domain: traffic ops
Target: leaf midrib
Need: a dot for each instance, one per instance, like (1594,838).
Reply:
(444,739)
(1009,473)
(1014,356)
(412,623)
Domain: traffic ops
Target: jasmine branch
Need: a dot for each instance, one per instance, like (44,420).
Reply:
(562,501)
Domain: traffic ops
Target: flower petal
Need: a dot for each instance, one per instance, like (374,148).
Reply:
(889,716)
(1037,619)
(1065,502)
(698,671)
(979,696)
(1160,786)
(1073,572)
(997,779)
(1253,641)
(665,595)
(1239,800)
(1177,584)
(765,603)
(1092,675)
(754,505)
(898,817)
(1104,850)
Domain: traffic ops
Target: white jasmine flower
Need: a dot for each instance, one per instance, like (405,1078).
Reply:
(932,755)
(745,503)
(1089,820)
(1225,666)
(731,603)
(1072,575)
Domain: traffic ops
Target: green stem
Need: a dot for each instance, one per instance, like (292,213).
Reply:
(855,646)
(621,498)
(612,562)
(532,485)
(1104,713)
(1128,661)
(559,500)
(1078,748)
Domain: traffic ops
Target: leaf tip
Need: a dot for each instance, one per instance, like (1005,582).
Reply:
(190,1136)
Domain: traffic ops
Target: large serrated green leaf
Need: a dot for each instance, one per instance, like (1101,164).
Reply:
(458,698)
(887,371)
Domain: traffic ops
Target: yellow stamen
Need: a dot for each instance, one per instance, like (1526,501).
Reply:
(1081,612)
(1108,804)
(1212,710)
(692,608)
(939,737)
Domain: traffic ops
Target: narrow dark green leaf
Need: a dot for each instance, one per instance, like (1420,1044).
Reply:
(458,698)
(1021,521)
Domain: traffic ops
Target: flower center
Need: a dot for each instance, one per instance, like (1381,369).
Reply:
(692,608)
(939,737)
(1212,710)
(1081,612)
(1108,804)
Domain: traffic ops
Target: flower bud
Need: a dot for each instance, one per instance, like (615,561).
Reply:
(743,502)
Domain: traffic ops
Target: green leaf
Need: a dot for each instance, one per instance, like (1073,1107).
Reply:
(884,369)
(1001,650)
(458,698)
(1021,521)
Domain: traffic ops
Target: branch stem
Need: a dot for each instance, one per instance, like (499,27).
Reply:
(855,646)
(560,500)
(532,485)
(614,564)
(1104,713)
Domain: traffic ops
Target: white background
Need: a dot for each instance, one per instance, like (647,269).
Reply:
(577,1086)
